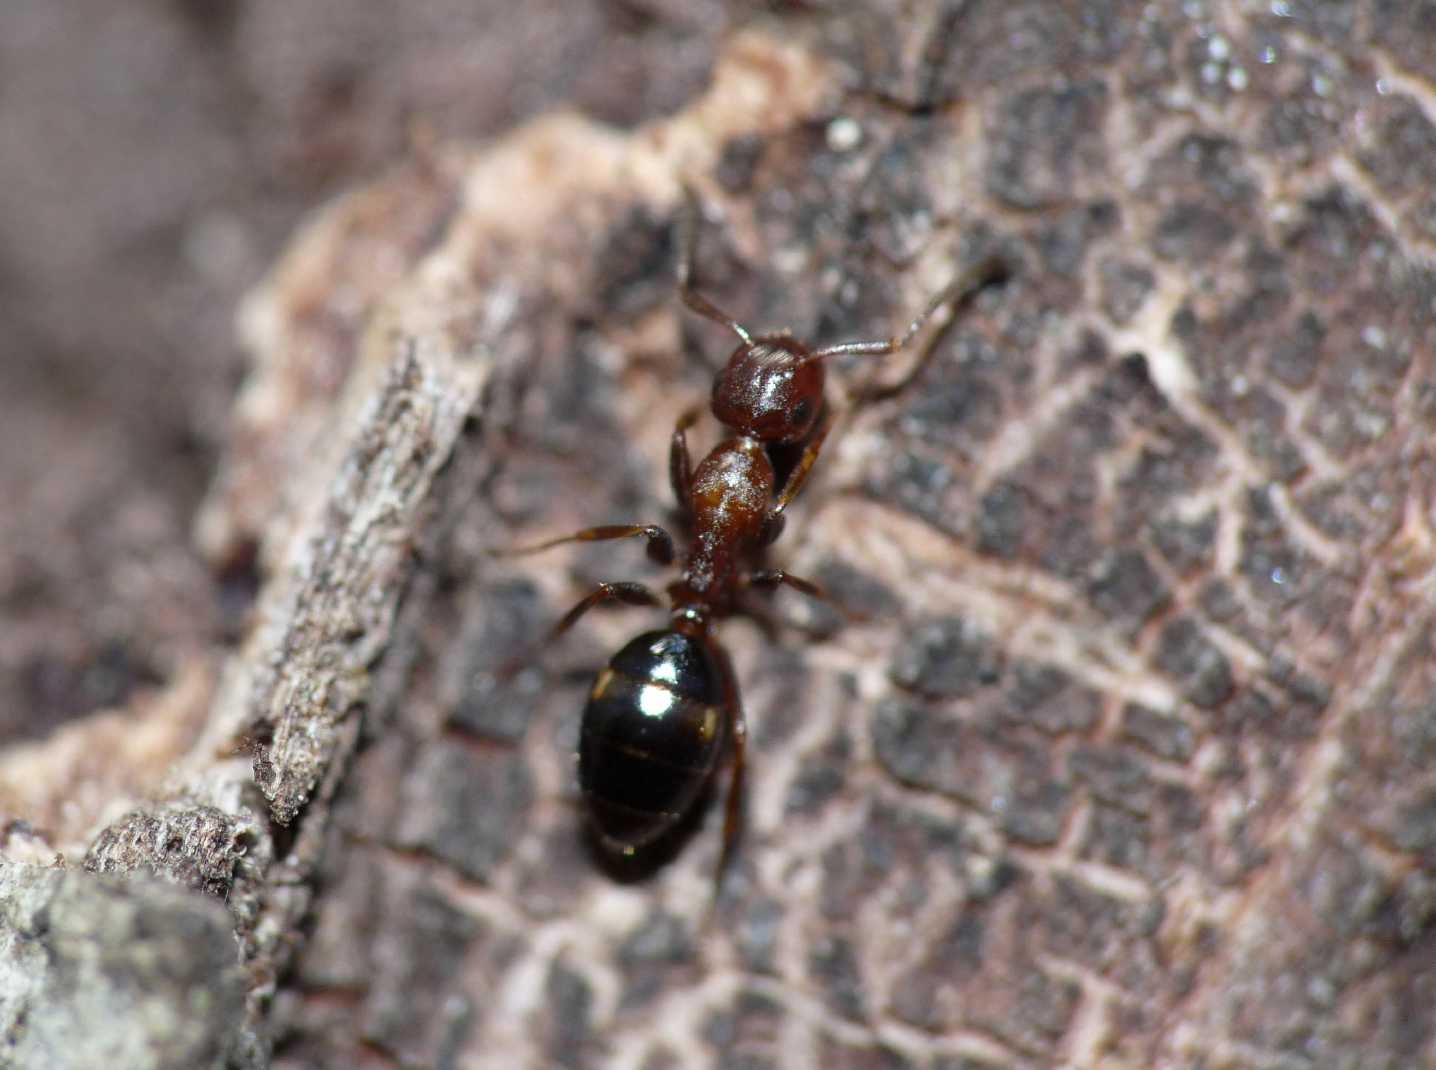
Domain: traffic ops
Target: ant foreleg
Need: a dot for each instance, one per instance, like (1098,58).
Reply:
(632,594)
(680,465)
(691,297)
(773,522)
(660,543)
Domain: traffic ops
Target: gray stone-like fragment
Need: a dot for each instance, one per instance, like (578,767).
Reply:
(101,973)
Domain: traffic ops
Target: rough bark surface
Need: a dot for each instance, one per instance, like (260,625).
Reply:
(1126,761)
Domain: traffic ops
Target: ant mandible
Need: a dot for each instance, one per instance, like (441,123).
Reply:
(659,714)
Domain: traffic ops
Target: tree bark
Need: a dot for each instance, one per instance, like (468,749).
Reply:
(1118,750)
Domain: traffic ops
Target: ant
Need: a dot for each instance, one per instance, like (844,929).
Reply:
(660,713)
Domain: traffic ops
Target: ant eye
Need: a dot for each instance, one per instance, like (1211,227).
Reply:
(800,412)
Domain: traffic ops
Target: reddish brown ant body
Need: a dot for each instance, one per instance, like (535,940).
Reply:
(659,715)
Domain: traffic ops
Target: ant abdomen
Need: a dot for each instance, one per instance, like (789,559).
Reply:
(652,733)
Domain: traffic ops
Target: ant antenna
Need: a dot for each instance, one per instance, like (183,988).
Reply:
(986,272)
(691,297)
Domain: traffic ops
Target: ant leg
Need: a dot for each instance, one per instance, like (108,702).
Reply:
(691,297)
(773,522)
(632,594)
(660,543)
(733,805)
(772,578)
(986,272)
(680,465)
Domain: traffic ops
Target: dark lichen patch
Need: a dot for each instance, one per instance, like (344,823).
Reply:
(834,970)
(1163,476)
(1065,244)
(1263,417)
(923,747)
(1299,686)
(1299,127)
(1054,508)
(970,1062)
(1206,165)
(1205,193)
(415,976)
(55,687)
(1019,784)
(1277,571)
(922,484)
(981,972)
(1125,286)
(1092,929)
(1361,508)
(738,162)
(834,1054)
(1413,822)
(953,404)
(1295,354)
(566,394)
(1114,775)
(1178,816)
(1371,348)
(1033,1014)
(462,804)
(1002,519)
(756,931)
(1038,802)
(1165,736)
(1043,512)
(748,1034)
(1118,838)
(652,956)
(1261,712)
(906,854)
(1196,662)
(851,591)
(1399,146)
(568,1010)
(821,778)
(780,673)
(1188,547)
(1406,30)
(1330,243)
(632,266)
(945,657)
(1046,143)
(496,690)
(991,44)
(1125,589)
(1192,233)
(897,212)
(1048,699)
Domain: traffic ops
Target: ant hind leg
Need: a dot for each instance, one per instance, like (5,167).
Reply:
(733,804)
(632,594)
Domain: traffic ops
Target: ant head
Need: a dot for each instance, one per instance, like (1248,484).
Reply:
(771,388)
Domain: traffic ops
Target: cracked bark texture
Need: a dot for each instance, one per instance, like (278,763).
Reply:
(1127,761)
